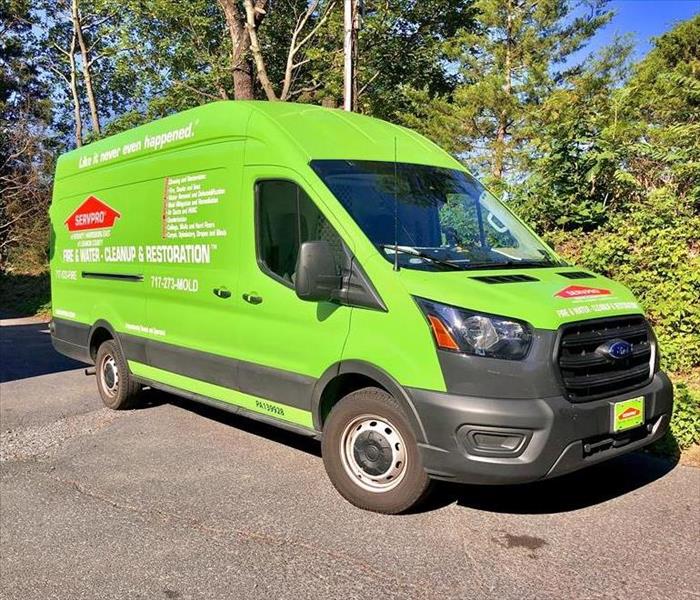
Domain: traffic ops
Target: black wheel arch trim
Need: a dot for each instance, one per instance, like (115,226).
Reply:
(102,324)
(384,379)
(75,339)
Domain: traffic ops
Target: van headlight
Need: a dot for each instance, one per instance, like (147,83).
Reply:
(460,330)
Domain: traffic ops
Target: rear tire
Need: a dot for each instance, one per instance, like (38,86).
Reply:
(371,454)
(115,383)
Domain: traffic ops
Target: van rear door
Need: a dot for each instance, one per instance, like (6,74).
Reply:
(191,240)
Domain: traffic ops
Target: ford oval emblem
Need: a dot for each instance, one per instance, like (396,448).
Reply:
(616,349)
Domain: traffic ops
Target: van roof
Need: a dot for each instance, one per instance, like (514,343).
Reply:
(312,132)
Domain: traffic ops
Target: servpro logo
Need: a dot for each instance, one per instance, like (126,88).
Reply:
(580,291)
(629,413)
(92,214)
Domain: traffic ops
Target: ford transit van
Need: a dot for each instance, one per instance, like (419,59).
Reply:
(345,278)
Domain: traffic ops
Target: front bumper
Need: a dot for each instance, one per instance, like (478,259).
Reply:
(558,436)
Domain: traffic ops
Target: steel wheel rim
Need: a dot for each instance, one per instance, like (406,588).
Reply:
(109,375)
(373,453)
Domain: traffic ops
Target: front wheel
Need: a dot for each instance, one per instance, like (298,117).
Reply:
(371,455)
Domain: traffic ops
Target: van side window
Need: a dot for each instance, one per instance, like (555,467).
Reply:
(286,218)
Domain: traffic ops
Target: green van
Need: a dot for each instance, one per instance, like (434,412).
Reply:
(345,278)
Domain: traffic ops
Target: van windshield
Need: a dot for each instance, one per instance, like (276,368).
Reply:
(436,218)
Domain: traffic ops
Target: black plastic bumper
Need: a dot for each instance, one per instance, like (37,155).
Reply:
(558,436)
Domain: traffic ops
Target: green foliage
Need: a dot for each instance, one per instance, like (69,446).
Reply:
(167,57)
(401,43)
(651,250)
(405,44)
(507,65)
(613,182)
(616,186)
(685,424)
(26,143)
(575,179)
(24,295)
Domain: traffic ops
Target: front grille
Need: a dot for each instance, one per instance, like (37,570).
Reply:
(590,375)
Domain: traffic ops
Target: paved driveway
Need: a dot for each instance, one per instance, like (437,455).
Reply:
(175,500)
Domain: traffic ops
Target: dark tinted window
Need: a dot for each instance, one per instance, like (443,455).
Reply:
(287,217)
(443,213)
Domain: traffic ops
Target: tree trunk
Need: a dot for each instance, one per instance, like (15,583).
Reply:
(498,166)
(73,84)
(87,75)
(251,26)
(240,44)
(499,152)
(243,81)
(355,54)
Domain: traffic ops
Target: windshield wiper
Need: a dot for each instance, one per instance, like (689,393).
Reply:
(415,252)
(510,264)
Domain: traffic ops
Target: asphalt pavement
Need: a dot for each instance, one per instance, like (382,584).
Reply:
(176,500)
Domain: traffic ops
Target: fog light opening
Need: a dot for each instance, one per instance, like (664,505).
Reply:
(494,441)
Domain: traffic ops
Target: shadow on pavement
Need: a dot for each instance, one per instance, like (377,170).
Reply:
(26,351)
(269,432)
(587,487)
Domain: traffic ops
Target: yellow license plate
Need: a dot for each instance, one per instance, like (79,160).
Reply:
(628,414)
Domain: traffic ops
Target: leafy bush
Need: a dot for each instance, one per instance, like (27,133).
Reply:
(651,249)
(24,294)
(615,184)
(685,425)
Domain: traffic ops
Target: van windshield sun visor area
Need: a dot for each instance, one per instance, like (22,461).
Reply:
(435,216)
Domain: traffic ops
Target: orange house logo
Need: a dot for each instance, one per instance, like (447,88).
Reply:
(581,291)
(629,413)
(92,214)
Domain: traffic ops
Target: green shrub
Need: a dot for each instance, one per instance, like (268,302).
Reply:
(685,424)
(24,295)
(615,185)
(651,249)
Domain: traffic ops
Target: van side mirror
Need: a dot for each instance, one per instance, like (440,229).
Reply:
(317,277)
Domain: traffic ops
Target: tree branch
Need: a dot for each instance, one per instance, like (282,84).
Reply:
(195,90)
(307,89)
(88,24)
(363,89)
(295,46)
(319,24)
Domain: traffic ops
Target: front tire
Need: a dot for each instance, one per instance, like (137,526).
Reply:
(115,383)
(371,455)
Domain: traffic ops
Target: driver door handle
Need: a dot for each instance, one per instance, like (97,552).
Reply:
(252,298)
(222,292)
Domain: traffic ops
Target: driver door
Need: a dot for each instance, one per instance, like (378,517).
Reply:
(285,343)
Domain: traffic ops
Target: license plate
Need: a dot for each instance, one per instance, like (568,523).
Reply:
(627,414)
